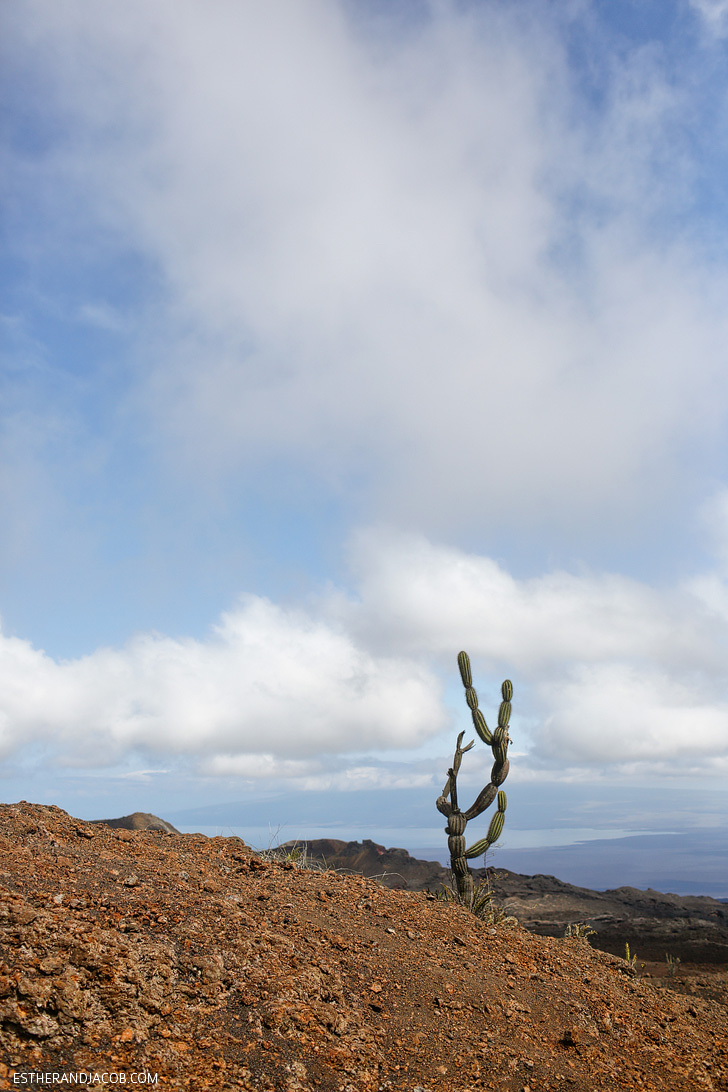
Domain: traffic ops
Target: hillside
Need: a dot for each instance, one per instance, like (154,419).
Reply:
(198,963)
(693,929)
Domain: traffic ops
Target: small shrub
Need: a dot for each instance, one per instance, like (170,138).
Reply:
(580,929)
(297,855)
(631,959)
(481,905)
(673,965)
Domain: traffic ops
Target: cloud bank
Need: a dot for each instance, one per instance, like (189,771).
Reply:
(267,681)
(610,676)
(414,255)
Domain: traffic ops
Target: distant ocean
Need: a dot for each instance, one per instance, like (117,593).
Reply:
(564,831)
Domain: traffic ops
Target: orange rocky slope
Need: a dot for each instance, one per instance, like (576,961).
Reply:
(195,962)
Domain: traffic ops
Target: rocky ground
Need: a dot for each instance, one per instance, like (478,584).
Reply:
(691,929)
(196,962)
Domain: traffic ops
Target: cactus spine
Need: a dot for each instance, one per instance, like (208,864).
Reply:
(456,819)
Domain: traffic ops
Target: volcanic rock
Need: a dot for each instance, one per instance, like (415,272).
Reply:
(192,963)
(687,927)
(138,820)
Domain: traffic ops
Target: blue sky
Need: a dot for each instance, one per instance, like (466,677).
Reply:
(337,337)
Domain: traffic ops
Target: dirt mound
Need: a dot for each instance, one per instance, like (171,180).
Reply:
(690,928)
(195,961)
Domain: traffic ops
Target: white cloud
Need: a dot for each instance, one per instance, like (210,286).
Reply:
(608,673)
(417,596)
(314,775)
(103,316)
(607,670)
(267,682)
(714,13)
(712,519)
(427,268)
(615,714)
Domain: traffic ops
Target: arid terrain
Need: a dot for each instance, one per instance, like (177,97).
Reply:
(685,927)
(194,962)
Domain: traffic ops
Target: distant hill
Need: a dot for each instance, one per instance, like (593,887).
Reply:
(138,820)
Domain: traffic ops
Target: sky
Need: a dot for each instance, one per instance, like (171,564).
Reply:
(336,338)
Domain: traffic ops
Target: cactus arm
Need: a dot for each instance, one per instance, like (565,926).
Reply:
(451,783)
(442,804)
(494,830)
(481,727)
(496,827)
(464,665)
(499,772)
(460,751)
(454,791)
(478,848)
(504,714)
(484,799)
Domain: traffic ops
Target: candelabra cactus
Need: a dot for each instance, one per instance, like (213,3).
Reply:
(457,820)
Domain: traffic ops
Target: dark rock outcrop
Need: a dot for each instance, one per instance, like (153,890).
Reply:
(395,868)
(138,820)
(691,928)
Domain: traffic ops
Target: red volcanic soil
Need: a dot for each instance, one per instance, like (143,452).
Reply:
(194,962)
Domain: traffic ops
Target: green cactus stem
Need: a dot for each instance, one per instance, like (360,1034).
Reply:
(464,665)
(481,727)
(447,803)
